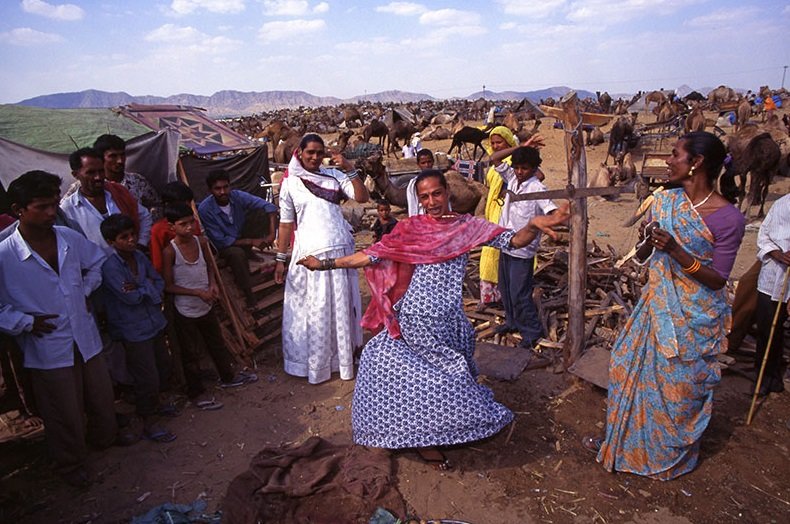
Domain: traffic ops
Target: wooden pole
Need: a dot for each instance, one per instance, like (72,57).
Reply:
(223,293)
(577,258)
(759,383)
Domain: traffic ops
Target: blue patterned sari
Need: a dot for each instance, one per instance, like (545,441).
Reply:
(663,365)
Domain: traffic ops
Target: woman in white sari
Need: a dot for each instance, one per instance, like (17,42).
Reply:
(322,310)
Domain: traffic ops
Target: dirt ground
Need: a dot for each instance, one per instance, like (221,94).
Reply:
(533,471)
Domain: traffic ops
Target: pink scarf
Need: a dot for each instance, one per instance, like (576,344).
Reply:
(416,240)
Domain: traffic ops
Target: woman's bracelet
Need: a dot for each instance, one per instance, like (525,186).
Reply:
(281,257)
(352,175)
(326,264)
(693,268)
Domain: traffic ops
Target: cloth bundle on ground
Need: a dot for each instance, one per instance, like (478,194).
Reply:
(315,482)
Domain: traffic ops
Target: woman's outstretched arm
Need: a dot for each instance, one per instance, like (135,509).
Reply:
(357,260)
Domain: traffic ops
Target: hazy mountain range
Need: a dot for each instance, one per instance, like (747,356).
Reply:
(234,103)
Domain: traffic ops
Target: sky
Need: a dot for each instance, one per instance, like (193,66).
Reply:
(343,48)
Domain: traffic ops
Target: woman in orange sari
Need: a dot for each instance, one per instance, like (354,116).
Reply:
(663,367)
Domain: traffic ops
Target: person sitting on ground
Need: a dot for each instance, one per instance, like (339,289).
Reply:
(235,222)
(417,381)
(132,292)
(385,221)
(195,291)
(161,232)
(516,266)
(773,243)
(46,274)
(98,198)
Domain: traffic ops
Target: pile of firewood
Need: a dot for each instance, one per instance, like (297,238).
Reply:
(611,295)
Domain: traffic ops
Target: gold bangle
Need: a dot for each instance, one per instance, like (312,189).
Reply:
(693,268)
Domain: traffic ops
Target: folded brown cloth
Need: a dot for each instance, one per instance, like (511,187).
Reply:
(316,482)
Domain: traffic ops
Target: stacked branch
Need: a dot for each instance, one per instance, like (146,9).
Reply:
(610,297)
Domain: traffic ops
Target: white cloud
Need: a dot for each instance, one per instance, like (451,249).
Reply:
(67,12)
(608,12)
(402,8)
(507,26)
(449,17)
(188,39)
(722,17)
(185,7)
(292,7)
(531,8)
(272,31)
(376,46)
(25,36)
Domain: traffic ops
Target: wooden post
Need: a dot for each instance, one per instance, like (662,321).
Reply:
(577,258)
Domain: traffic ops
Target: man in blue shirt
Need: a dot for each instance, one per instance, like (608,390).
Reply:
(234,223)
(47,273)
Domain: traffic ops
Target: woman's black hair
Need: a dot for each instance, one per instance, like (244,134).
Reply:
(310,137)
(177,192)
(707,145)
(431,173)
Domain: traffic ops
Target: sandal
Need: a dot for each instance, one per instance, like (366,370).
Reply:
(592,444)
(160,435)
(435,458)
(169,410)
(208,405)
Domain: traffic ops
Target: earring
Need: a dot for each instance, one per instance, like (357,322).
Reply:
(691,171)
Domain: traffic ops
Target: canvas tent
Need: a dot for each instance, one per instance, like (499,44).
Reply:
(398,113)
(154,135)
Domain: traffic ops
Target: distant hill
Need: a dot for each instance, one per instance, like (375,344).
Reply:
(234,103)
(556,92)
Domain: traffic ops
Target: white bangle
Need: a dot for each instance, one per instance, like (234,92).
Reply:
(352,175)
(281,257)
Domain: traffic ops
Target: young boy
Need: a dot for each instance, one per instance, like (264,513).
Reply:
(161,232)
(385,222)
(187,277)
(516,266)
(132,292)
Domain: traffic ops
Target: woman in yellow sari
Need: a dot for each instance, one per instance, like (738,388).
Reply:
(500,138)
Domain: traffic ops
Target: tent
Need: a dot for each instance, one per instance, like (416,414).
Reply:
(398,113)
(34,138)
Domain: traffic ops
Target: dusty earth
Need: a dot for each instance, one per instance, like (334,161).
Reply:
(533,471)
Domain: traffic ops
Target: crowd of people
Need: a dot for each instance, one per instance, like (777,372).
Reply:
(110,285)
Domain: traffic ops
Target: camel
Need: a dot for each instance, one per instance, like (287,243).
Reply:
(695,121)
(378,129)
(605,101)
(342,140)
(621,136)
(435,132)
(469,135)
(604,177)
(721,95)
(756,153)
(351,116)
(400,129)
(743,113)
(595,136)
(465,194)
(654,96)
(443,118)
(522,134)
(286,147)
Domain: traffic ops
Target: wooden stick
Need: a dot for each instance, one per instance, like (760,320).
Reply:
(212,262)
(768,346)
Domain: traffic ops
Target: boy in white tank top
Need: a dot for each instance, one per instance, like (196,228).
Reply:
(187,277)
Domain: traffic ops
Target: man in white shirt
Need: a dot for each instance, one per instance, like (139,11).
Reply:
(47,273)
(773,244)
(98,198)
(516,266)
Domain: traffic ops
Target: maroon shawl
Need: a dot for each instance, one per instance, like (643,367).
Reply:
(419,239)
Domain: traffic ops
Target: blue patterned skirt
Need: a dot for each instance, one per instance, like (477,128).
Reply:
(421,390)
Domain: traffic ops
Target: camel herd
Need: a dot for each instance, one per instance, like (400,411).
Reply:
(761,149)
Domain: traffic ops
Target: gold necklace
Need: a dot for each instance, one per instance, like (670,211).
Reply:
(695,206)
